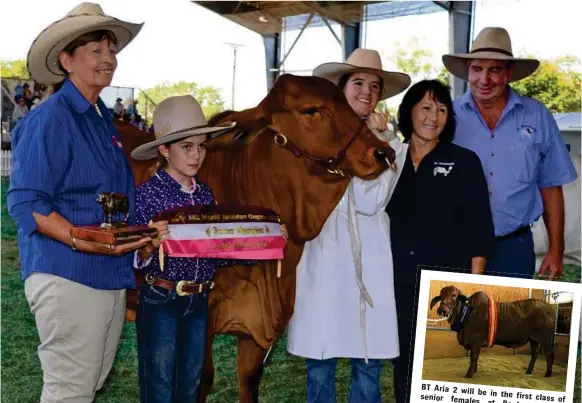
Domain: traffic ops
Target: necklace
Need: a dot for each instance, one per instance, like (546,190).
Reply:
(98,111)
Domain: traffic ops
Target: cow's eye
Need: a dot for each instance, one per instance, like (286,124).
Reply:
(310,111)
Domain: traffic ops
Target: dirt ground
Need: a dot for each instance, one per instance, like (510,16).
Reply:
(497,370)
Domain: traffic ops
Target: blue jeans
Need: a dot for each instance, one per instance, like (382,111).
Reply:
(406,303)
(513,257)
(364,385)
(171,332)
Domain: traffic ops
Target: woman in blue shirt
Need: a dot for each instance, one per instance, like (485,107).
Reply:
(65,152)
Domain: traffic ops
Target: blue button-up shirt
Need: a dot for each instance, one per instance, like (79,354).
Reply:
(64,155)
(524,153)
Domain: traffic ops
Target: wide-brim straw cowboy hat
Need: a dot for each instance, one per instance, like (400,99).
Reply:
(492,43)
(365,61)
(176,118)
(43,55)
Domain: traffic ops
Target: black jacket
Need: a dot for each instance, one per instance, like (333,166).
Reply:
(440,214)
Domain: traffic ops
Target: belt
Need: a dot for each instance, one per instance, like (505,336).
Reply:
(514,234)
(182,287)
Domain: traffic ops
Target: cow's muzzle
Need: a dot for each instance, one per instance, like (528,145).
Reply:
(444,312)
(387,154)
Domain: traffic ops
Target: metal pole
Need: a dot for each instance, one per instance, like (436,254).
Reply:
(234,47)
(339,41)
(233,77)
(295,42)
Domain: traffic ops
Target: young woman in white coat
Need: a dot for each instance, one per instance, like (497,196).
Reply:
(342,311)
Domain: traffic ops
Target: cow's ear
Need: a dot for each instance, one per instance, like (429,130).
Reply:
(434,301)
(249,124)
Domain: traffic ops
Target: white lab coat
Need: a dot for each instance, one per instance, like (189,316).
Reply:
(326,320)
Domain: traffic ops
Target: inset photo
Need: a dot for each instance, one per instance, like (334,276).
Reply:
(494,331)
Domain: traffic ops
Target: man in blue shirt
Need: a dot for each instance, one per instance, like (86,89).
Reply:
(522,153)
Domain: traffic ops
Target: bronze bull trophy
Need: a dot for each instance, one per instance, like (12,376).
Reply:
(114,204)
(110,232)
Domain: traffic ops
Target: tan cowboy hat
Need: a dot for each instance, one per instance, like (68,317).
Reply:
(492,43)
(365,61)
(176,118)
(43,55)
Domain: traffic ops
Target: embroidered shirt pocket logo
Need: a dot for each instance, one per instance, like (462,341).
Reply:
(527,131)
(443,168)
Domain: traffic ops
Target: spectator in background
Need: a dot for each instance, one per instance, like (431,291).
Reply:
(27,94)
(118,109)
(18,91)
(36,91)
(41,90)
(20,110)
(133,121)
(35,102)
(131,109)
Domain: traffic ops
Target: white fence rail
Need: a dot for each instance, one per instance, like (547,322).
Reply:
(6,163)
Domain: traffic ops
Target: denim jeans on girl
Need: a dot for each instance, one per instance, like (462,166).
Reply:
(364,384)
(171,331)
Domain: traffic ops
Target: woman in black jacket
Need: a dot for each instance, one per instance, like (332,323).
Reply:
(440,216)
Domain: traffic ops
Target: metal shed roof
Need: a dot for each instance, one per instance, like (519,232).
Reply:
(266,17)
(569,122)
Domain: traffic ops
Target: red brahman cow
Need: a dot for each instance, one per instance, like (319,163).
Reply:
(294,153)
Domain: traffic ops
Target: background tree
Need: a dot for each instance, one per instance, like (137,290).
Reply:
(14,69)
(412,59)
(555,83)
(416,61)
(209,97)
(384,108)
(444,76)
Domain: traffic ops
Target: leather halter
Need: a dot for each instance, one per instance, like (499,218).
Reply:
(448,306)
(331,164)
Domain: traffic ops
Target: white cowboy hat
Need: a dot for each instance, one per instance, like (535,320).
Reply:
(43,55)
(176,118)
(365,61)
(492,43)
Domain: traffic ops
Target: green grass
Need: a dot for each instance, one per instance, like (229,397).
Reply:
(283,380)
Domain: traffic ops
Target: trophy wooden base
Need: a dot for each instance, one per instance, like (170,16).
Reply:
(113,236)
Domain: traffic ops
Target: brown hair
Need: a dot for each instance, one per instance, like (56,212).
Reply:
(161,162)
